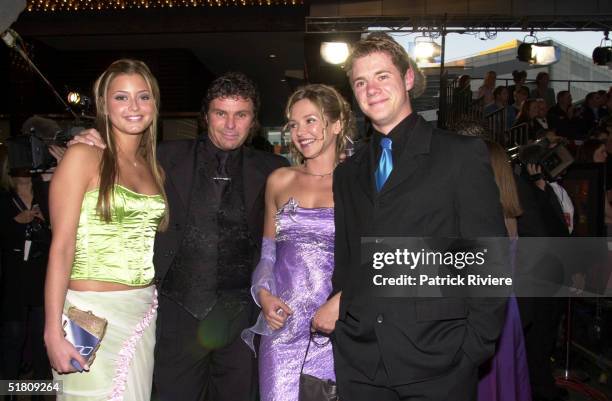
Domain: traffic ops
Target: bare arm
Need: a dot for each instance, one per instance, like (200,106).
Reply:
(74,175)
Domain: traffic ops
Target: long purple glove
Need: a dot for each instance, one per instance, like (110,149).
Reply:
(263,277)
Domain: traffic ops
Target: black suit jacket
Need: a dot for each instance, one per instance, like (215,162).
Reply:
(441,186)
(178,160)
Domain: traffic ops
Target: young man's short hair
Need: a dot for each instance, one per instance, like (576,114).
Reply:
(379,42)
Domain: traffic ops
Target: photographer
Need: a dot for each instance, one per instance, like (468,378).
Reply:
(547,212)
(24,241)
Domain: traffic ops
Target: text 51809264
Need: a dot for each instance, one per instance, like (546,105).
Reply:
(30,387)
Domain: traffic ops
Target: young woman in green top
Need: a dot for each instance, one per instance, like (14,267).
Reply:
(106,206)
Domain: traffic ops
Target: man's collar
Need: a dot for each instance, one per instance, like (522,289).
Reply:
(213,149)
(407,124)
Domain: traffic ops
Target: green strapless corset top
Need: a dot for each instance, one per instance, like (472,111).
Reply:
(120,251)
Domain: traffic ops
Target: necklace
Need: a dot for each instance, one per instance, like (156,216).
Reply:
(317,175)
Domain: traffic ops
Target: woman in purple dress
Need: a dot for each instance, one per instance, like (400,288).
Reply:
(293,278)
(505,377)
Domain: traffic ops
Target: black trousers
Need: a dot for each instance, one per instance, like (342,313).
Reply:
(13,334)
(458,384)
(188,366)
(541,318)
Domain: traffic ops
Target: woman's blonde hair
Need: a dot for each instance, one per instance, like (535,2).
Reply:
(504,178)
(332,107)
(109,169)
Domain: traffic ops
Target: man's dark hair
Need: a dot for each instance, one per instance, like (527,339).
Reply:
(560,95)
(231,85)
(541,76)
(589,97)
(471,126)
(518,75)
(523,90)
(498,91)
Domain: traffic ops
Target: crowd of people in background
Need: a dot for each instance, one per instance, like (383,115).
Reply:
(584,126)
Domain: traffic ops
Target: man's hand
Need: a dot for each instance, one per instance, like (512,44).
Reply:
(25,216)
(57,152)
(38,213)
(535,170)
(275,311)
(89,137)
(324,321)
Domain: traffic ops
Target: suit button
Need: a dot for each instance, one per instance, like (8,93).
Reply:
(379,319)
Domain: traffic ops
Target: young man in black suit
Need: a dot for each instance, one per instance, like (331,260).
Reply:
(441,185)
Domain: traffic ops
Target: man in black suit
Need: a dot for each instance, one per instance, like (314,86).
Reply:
(441,185)
(204,261)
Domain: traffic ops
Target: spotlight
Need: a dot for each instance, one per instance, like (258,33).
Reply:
(523,53)
(602,55)
(334,52)
(537,54)
(425,49)
(74,98)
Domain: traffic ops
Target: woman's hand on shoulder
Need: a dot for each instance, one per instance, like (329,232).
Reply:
(275,311)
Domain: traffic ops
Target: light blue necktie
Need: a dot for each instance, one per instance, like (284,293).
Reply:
(385,164)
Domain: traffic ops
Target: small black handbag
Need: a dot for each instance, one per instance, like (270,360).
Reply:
(315,389)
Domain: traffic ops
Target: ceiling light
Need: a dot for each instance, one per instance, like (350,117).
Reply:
(334,52)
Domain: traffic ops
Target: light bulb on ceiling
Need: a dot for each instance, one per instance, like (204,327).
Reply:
(334,52)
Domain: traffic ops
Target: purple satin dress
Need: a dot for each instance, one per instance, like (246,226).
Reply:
(505,377)
(302,272)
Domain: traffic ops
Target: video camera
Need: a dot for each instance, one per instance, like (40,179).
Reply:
(30,151)
(551,155)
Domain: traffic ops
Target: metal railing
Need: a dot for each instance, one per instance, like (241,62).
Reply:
(497,124)
(456,104)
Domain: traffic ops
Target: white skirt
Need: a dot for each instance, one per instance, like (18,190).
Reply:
(123,366)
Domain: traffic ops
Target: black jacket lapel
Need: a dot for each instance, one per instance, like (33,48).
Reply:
(364,160)
(418,144)
(254,179)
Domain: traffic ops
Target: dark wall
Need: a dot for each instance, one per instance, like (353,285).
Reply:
(182,78)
